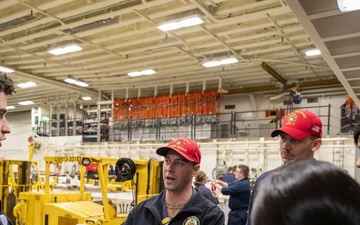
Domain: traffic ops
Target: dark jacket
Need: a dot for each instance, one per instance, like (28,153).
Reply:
(229,178)
(207,193)
(239,192)
(197,208)
(253,194)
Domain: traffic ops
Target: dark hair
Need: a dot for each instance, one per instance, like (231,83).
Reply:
(6,84)
(307,192)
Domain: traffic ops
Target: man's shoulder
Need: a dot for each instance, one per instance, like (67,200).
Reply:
(263,175)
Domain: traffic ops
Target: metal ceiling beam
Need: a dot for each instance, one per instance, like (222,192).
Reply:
(273,73)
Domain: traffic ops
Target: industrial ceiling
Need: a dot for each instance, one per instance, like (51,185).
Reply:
(119,37)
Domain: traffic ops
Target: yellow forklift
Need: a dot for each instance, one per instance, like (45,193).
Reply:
(48,206)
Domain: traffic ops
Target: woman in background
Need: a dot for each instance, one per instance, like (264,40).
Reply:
(199,183)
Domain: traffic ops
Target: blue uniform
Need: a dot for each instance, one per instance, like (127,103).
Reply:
(229,178)
(253,194)
(239,192)
(201,188)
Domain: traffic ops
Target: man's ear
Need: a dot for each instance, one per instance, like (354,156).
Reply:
(196,169)
(317,144)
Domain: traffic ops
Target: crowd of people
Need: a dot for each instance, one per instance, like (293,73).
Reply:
(301,191)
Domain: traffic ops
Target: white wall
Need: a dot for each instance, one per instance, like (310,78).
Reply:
(16,144)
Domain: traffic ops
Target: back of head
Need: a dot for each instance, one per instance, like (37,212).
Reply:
(200,178)
(6,84)
(307,192)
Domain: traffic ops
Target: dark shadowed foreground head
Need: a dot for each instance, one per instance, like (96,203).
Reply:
(307,192)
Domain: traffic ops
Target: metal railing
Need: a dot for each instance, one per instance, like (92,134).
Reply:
(222,125)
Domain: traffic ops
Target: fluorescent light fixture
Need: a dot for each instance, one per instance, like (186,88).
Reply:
(169,26)
(65,49)
(184,22)
(312,52)
(10,107)
(141,73)
(220,62)
(212,64)
(135,74)
(191,21)
(6,70)
(27,85)
(86,98)
(148,72)
(26,103)
(348,5)
(229,61)
(78,83)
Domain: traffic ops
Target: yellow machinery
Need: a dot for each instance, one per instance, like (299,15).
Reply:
(142,178)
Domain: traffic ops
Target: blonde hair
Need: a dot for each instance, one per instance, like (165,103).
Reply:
(199,178)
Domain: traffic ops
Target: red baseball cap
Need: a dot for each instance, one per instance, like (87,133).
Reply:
(300,124)
(185,147)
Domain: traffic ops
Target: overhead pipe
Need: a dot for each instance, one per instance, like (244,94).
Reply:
(243,17)
(289,42)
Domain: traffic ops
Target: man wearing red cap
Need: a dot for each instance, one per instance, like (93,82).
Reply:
(300,136)
(179,203)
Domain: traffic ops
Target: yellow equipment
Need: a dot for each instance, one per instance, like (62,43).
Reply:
(51,207)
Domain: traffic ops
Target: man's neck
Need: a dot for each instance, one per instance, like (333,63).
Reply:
(176,198)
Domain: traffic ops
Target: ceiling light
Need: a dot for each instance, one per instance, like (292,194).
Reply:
(312,52)
(26,103)
(212,63)
(6,70)
(169,26)
(191,21)
(148,72)
(141,73)
(86,98)
(10,107)
(183,22)
(220,62)
(229,61)
(348,5)
(78,83)
(65,49)
(27,85)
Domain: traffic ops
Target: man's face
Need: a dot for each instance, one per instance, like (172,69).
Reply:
(358,163)
(292,149)
(178,172)
(238,174)
(4,126)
